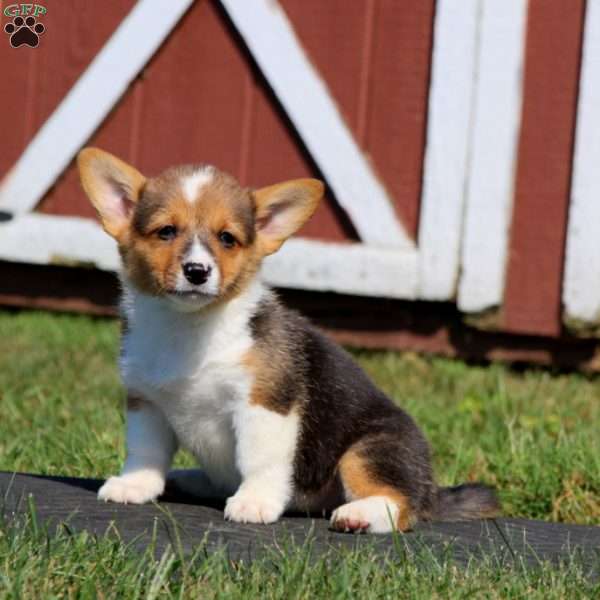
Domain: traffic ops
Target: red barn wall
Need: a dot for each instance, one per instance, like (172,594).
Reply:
(202,99)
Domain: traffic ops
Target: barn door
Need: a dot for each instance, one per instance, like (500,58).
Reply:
(421,117)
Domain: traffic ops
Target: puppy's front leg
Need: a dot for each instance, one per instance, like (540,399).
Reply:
(150,447)
(266,443)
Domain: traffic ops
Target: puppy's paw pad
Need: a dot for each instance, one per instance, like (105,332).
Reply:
(349,525)
(375,514)
(349,519)
(248,508)
(132,489)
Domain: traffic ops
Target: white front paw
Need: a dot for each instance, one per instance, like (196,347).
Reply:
(246,507)
(133,488)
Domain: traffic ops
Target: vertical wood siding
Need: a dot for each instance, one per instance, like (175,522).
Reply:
(512,121)
(532,301)
(375,56)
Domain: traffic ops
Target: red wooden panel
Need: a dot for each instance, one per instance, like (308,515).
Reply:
(217,111)
(75,32)
(398,89)
(275,154)
(532,301)
(192,110)
(333,34)
(375,58)
(199,101)
(18,68)
(116,134)
(336,34)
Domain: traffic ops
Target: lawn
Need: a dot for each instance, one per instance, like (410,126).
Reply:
(532,434)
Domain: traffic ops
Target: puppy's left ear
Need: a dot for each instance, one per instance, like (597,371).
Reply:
(283,208)
(113,187)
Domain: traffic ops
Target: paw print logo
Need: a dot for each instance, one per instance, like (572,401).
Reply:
(24,32)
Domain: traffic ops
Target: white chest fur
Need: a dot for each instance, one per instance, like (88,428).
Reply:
(190,366)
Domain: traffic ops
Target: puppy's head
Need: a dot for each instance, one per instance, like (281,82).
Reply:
(192,234)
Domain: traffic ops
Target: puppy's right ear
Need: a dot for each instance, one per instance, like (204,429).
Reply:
(113,187)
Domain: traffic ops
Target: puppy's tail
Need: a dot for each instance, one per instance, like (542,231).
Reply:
(465,502)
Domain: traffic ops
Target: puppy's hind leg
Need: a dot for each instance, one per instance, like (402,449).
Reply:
(384,492)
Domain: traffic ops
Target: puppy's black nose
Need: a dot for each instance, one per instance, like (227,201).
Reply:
(196,273)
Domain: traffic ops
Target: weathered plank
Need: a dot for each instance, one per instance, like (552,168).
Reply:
(66,499)
(532,295)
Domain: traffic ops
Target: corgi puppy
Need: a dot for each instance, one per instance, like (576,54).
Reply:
(279,417)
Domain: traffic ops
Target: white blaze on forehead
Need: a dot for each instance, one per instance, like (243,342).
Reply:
(199,254)
(192,184)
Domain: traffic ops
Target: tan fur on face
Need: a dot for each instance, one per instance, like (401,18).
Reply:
(225,207)
(358,483)
(221,205)
(152,264)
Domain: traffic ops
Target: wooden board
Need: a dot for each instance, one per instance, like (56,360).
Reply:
(532,299)
(376,60)
(63,499)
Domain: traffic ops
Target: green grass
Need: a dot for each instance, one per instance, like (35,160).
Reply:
(532,434)
(36,565)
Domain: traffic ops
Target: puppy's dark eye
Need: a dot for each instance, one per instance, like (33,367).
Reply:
(227,239)
(168,232)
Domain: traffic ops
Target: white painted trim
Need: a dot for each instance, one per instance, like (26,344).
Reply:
(490,184)
(89,101)
(346,268)
(581,286)
(447,148)
(270,37)
(301,263)
(48,239)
